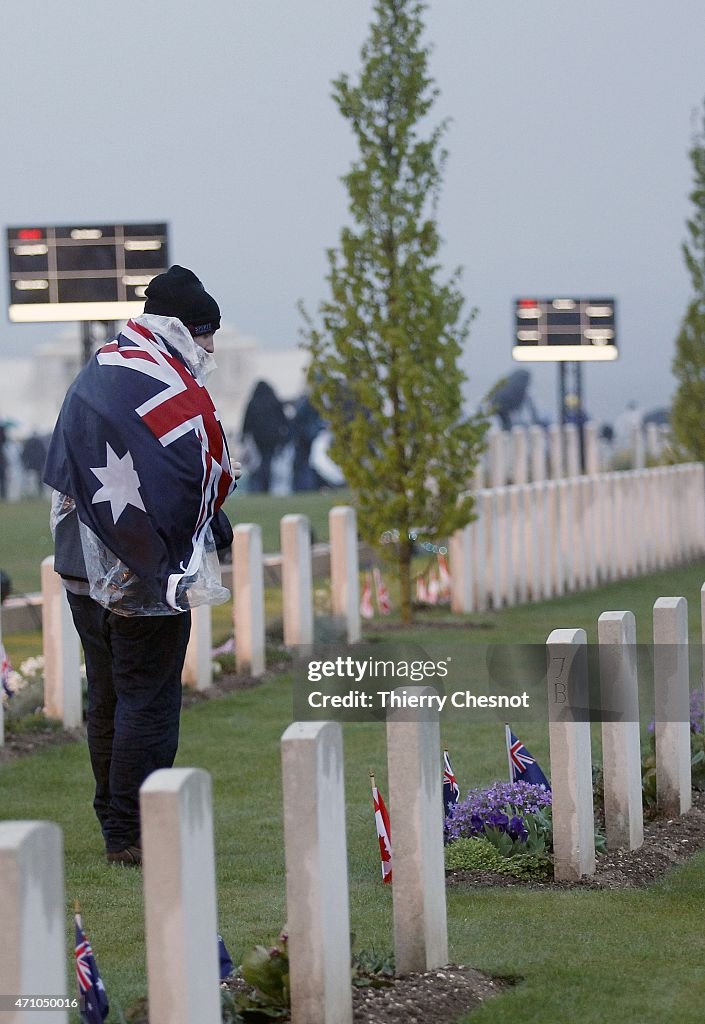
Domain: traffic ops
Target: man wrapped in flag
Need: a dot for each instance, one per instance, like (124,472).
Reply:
(140,470)
(451,789)
(522,766)
(91,990)
(384,831)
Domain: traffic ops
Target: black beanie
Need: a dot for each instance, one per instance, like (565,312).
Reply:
(179,293)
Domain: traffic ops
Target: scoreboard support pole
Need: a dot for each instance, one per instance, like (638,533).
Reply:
(574,369)
(88,338)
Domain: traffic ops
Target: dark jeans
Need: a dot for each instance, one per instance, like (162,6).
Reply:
(133,665)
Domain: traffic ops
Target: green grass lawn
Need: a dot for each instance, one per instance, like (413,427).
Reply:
(588,957)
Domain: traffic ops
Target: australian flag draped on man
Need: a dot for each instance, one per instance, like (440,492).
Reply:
(140,448)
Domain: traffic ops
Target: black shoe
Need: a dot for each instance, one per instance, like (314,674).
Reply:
(130,857)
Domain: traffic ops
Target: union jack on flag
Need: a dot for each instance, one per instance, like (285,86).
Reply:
(139,446)
(523,767)
(451,789)
(94,998)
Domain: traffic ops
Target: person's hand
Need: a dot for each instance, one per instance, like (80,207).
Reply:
(237,470)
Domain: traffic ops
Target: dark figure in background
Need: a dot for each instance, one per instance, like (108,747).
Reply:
(34,453)
(266,429)
(305,427)
(3,462)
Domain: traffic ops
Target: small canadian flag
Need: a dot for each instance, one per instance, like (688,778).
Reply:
(444,577)
(381,593)
(384,831)
(366,609)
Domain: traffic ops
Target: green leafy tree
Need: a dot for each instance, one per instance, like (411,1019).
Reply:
(383,366)
(689,361)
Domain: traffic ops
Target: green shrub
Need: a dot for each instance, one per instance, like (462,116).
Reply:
(480,854)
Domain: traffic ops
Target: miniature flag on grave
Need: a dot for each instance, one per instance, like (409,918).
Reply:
(384,832)
(451,789)
(94,998)
(444,579)
(366,609)
(225,960)
(522,766)
(381,593)
(434,589)
(5,669)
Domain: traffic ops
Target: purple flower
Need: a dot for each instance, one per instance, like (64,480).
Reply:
(517,829)
(498,806)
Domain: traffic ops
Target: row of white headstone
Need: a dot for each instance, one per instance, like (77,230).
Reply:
(542,540)
(528,542)
(532,454)
(180,890)
(569,714)
(177,836)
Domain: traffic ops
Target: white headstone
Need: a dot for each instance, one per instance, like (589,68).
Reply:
(181,921)
(248,599)
(537,446)
(33,947)
(197,672)
(672,705)
(621,752)
(344,569)
(479,552)
(520,455)
(416,818)
(461,570)
(571,442)
(498,464)
(297,580)
(62,652)
(591,444)
(555,451)
(315,849)
(571,758)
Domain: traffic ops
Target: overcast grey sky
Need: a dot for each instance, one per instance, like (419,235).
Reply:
(568,171)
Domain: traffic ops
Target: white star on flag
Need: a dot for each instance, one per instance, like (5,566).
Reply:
(121,484)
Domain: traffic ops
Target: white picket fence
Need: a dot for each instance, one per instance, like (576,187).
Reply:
(533,454)
(177,836)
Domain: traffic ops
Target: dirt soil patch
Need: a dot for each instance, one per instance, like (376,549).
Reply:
(436,997)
